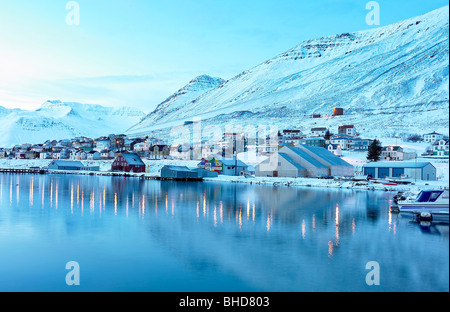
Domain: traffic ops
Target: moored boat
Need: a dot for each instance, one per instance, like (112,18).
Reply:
(430,201)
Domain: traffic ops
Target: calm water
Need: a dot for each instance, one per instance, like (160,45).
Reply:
(133,235)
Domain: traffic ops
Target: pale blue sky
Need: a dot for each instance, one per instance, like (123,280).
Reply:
(139,52)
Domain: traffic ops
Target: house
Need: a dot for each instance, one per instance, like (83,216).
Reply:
(403,169)
(338,111)
(361,145)
(304,161)
(320,132)
(78,155)
(347,130)
(45,155)
(396,153)
(433,137)
(93,155)
(159,152)
(224,166)
(335,149)
(102,144)
(290,134)
(316,142)
(128,162)
(107,154)
(440,148)
(345,141)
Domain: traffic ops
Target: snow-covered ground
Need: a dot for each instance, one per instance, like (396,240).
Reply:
(357,159)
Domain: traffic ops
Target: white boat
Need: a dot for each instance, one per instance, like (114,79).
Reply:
(434,202)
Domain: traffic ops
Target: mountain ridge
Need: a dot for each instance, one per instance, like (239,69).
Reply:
(402,66)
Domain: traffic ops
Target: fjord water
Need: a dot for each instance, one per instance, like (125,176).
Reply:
(136,235)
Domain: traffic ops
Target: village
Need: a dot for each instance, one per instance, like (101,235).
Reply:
(316,155)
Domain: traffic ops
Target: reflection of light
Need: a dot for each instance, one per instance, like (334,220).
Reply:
(353,226)
(254,213)
(314,221)
(17,191)
(71,199)
(43,194)
(31,191)
(248,209)
(269,222)
(143,204)
(10,193)
(198,209)
(204,204)
(221,212)
(330,248)
(51,193)
(337,224)
(56,195)
(82,202)
(167,203)
(115,204)
(215,215)
(78,193)
(240,219)
(173,208)
(303,229)
(92,201)
(127,205)
(337,215)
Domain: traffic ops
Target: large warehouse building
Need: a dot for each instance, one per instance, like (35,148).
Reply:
(304,161)
(401,169)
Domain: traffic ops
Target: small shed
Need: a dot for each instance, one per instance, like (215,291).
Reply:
(178,172)
(66,165)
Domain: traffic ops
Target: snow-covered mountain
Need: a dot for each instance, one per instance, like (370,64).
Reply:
(179,101)
(59,120)
(389,80)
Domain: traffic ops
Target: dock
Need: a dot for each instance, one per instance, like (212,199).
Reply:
(24,171)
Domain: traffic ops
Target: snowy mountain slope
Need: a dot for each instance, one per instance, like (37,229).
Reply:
(59,120)
(393,79)
(180,100)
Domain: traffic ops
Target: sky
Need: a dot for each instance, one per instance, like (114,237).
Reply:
(139,52)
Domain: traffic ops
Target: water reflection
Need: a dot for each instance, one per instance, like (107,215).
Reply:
(272,239)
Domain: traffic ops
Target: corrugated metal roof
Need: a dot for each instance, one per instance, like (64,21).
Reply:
(292,161)
(328,156)
(308,158)
(68,163)
(397,164)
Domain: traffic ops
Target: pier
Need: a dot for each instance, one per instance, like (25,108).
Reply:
(24,171)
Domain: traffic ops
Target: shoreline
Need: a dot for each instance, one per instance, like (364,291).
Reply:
(154,167)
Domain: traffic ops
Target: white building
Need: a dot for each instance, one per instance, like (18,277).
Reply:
(433,137)
(440,148)
(396,153)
